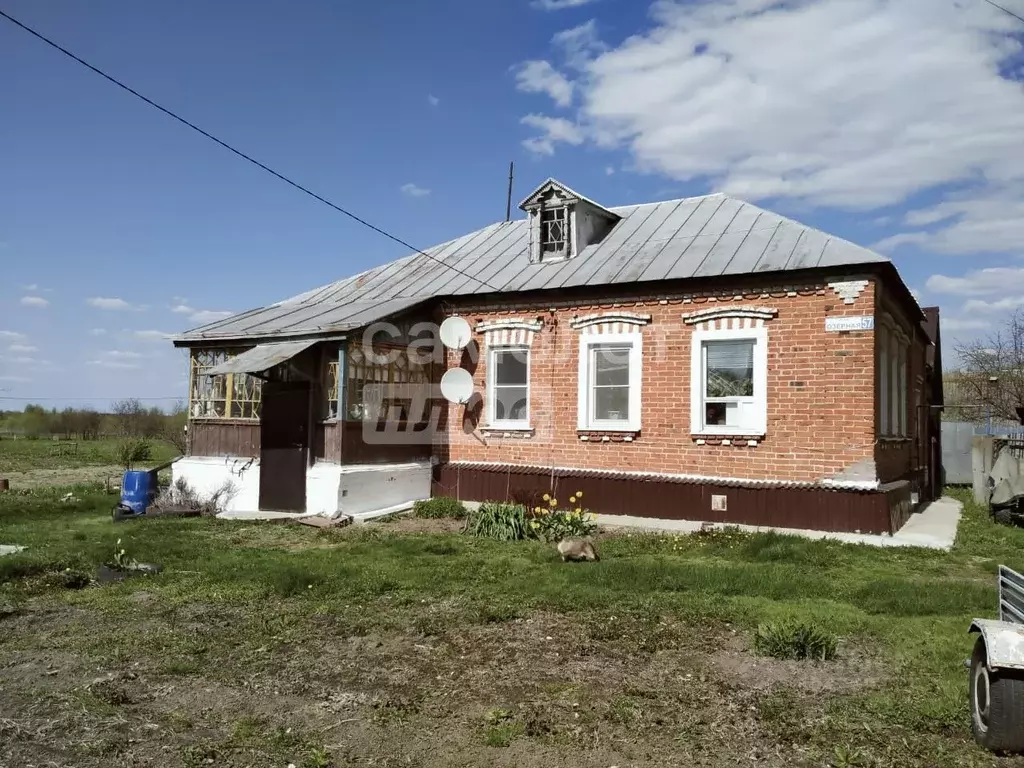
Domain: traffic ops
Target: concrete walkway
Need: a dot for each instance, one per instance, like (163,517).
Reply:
(934,527)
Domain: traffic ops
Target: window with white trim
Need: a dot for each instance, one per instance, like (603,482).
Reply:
(609,382)
(508,387)
(728,384)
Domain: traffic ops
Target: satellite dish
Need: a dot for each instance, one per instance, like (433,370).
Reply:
(455,333)
(457,385)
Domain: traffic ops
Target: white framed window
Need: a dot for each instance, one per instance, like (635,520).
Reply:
(508,387)
(554,235)
(609,382)
(729,382)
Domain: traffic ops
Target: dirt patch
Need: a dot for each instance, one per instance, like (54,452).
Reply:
(210,682)
(40,478)
(409,524)
(735,662)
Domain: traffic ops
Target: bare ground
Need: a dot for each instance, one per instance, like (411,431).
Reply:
(536,691)
(38,478)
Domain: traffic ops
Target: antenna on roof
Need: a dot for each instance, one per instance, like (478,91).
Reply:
(508,201)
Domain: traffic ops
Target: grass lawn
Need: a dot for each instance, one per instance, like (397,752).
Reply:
(33,463)
(404,644)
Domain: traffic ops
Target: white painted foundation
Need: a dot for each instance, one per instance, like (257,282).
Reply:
(361,491)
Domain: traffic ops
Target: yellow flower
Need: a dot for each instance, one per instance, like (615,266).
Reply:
(538,510)
(578,510)
(554,502)
(579,494)
(534,524)
(572,499)
(546,497)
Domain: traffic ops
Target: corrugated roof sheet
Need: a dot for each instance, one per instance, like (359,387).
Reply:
(713,235)
(262,357)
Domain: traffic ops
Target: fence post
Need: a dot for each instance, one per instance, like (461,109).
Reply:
(982,457)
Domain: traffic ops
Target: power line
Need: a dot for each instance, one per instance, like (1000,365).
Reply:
(240,154)
(1005,10)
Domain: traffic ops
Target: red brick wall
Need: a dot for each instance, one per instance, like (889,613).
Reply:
(821,391)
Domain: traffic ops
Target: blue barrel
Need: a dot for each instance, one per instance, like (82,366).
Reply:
(138,490)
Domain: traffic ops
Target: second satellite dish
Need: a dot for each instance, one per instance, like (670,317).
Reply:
(457,385)
(455,333)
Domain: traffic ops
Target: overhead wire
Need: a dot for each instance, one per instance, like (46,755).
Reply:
(239,153)
(1005,10)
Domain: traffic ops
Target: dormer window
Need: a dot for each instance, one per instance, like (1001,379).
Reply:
(563,222)
(554,231)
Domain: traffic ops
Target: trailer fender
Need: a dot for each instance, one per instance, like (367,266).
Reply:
(1004,643)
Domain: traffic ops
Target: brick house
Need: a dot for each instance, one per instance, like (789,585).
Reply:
(695,359)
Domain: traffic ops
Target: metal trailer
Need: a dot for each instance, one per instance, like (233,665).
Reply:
(997,670)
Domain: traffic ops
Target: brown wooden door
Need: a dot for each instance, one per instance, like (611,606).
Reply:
(284,440)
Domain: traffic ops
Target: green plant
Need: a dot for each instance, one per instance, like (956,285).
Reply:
(318,757)
(439,506)
(795,640)
(122,560)
(554,524)
(498,520)
(132,452)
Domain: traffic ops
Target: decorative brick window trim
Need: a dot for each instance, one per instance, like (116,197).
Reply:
(510,331)
(718,313)
(600,436)
(498,432)
(616,322)
(740,441)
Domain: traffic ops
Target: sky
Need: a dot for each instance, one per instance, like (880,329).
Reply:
(897,124)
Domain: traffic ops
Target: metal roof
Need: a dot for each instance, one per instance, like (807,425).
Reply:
(708,236)
(263,357)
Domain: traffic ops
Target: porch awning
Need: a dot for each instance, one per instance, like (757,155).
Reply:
(262,357)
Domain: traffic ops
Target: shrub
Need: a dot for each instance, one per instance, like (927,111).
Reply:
(795,640)
(553,524)
(498,520)
(132,452)
(439,506)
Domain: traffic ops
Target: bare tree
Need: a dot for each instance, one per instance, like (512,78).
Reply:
(174,427)
(991,377)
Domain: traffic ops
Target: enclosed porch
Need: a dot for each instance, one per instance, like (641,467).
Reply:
(315,426)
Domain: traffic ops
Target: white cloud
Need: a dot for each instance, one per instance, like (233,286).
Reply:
(957,325)
(558,5)
(34,301)
(23,348)
(30,363)
(434,101)
(201,315)
(411,190)
(609,171)
(31,288)
(854,104)
(116,364)
(12,335)
(1008,304)
(553,130)
(110,303)
(97,331)
(983,282)
(152,335)
(579,44)
(121,354)
(541,77)
(17,379)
